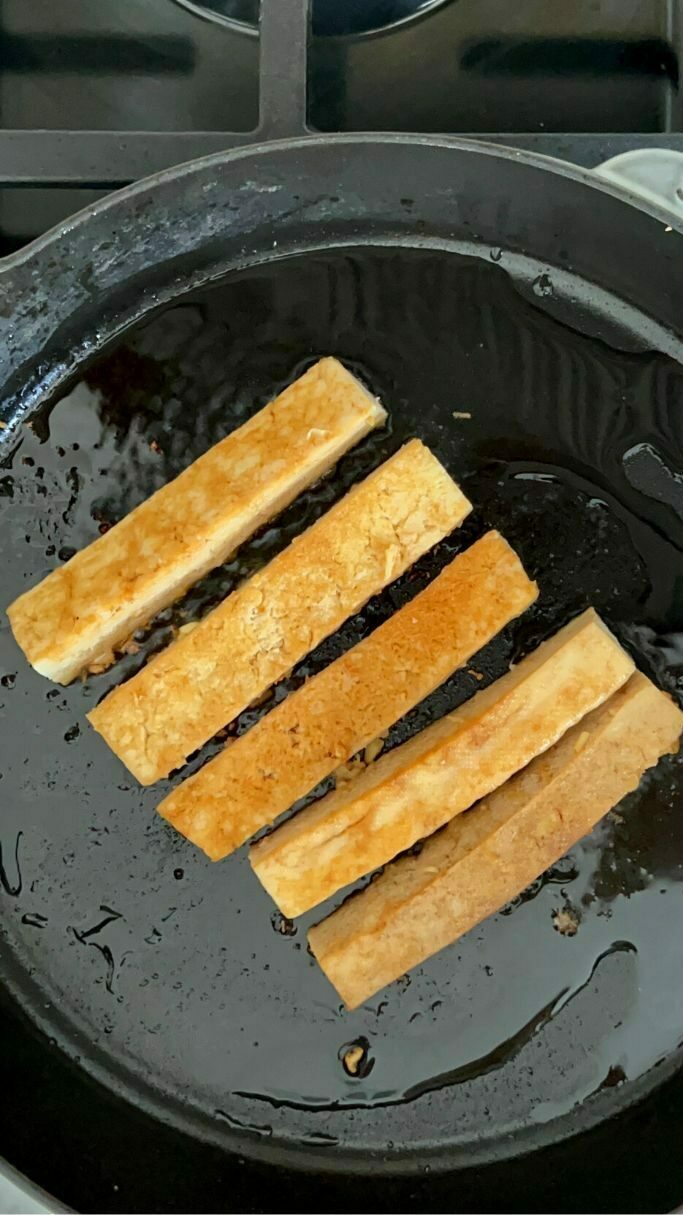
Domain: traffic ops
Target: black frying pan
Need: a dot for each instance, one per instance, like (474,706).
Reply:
(165,1046)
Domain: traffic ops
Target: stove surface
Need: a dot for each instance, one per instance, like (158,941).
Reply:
(95,95)
(466,66)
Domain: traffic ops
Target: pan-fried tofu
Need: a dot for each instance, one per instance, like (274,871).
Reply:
(76,616)
(209,675)
(484,858)
(418,787)
(353,700)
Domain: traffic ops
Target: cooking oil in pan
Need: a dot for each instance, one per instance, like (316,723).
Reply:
(162,970)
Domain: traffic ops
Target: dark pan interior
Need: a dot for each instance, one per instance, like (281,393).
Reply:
(169,977)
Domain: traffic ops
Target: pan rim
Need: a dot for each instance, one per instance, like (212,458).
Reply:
(116,199)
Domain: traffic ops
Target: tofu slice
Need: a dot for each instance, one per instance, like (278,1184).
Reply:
(204,679)
(353,700)
(418,787)
(76,616)
(484,858)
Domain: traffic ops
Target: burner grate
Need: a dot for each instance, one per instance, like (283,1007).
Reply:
(107,159)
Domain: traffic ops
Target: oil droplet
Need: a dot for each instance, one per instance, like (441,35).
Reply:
(72,733)
(66,552)
(542,286)
(10,887)
(8,681)
(495,254)
(649,473)
(178,874)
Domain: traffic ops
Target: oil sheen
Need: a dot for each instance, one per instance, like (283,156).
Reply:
(169,974)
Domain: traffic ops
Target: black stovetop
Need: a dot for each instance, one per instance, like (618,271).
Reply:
(94,94)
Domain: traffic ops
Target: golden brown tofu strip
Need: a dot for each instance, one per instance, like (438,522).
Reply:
(82,610)
(484,858)
(203,680)
(418,787)
(353,700)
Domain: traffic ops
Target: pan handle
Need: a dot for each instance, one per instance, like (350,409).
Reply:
(283,70)
(653,174)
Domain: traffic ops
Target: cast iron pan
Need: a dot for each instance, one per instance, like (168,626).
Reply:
(168,1043)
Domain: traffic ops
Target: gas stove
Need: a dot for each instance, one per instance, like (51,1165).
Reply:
(94,95)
